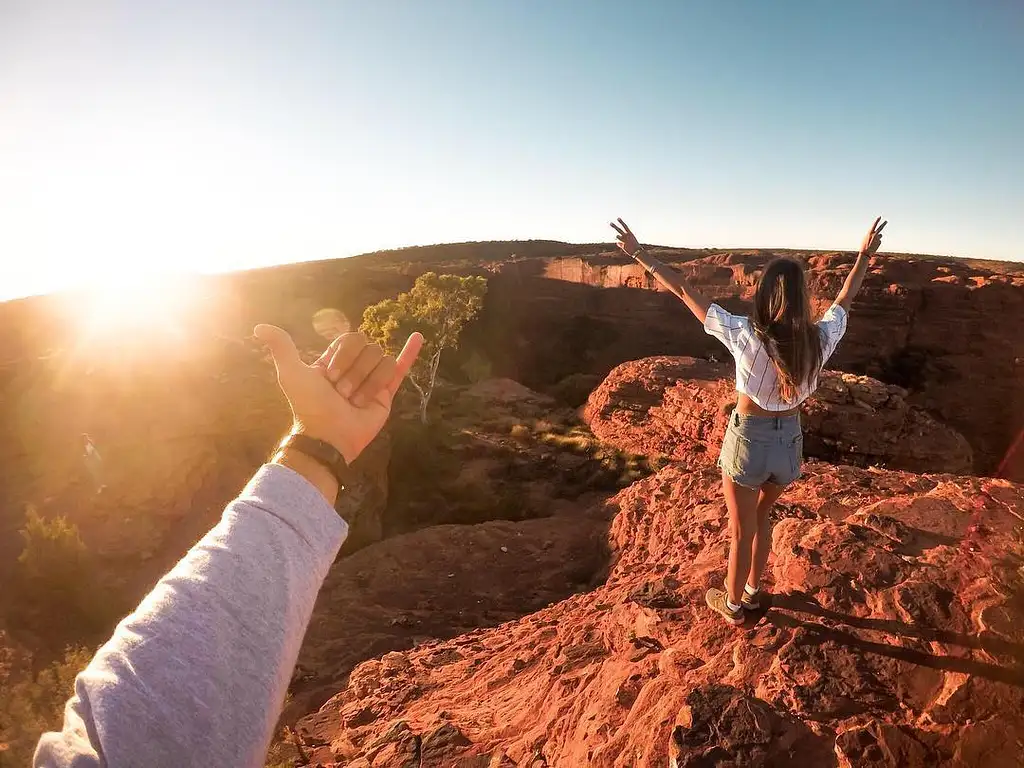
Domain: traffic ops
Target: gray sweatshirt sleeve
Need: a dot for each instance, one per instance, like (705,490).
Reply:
(198,673)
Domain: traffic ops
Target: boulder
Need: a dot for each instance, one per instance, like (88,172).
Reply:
(679,407)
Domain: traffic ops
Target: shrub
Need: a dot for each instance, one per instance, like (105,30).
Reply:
(33,706)
(53,553)
(520,432)
(577,441)
(55,576)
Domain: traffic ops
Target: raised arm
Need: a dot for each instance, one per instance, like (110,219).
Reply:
(872,240)
(197,674)
(695,301)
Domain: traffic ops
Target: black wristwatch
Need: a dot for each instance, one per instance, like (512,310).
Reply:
(321,452)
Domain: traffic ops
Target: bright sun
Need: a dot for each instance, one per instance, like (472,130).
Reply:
(135,303)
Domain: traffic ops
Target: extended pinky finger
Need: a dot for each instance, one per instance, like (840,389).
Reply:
(406,360)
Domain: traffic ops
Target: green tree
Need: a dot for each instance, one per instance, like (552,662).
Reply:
(438,306)
(55,576)
(53,556)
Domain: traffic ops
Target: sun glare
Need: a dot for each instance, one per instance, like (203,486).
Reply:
(131,303)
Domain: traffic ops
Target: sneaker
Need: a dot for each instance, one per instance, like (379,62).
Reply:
(751,602)
(717,600)
(748,601)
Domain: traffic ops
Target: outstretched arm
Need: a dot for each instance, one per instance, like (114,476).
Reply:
(872,240)
(197,674)
(695,301)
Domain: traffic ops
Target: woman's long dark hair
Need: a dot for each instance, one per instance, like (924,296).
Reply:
(782,321)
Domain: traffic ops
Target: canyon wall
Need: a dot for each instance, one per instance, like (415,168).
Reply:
(947,332)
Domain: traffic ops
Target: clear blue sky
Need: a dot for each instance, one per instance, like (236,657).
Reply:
(140,136)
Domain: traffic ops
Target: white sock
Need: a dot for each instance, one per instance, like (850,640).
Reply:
(731,605)
(750,590)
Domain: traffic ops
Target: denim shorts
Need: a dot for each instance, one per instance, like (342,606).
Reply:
(762,449)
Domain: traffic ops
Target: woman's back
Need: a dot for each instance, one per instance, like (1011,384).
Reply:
(756,374)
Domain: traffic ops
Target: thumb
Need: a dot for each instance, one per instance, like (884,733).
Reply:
(282,348)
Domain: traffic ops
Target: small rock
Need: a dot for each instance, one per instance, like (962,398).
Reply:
(361,717)
(879,744)
(442,744)
(398,731)
(393,663)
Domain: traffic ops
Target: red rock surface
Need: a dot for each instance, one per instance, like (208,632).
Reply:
(678,406)
(894,636)
(442,581)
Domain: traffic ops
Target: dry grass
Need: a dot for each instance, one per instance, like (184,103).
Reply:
(619,468)
(577,442)
(520,433)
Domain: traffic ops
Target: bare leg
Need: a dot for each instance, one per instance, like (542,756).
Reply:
(742,504)
(770,493)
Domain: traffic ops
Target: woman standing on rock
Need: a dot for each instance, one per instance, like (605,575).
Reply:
(779,352)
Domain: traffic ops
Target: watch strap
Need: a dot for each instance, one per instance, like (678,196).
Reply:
(322,452)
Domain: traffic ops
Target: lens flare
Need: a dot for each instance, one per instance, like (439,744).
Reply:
(132,306)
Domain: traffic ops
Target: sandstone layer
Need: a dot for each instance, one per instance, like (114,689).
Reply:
(679,407)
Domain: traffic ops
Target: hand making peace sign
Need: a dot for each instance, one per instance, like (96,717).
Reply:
(873,239)
(627,240)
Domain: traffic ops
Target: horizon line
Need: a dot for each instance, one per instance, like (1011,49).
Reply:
(611,246)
